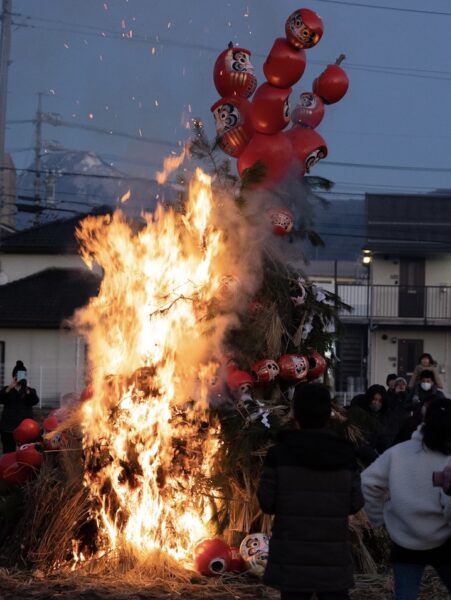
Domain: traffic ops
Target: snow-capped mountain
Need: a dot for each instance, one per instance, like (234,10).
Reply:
(78,181)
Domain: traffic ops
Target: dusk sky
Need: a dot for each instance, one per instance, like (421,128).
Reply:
(144,67)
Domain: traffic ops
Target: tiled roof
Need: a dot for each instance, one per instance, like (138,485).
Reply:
(45,299)
(56,237)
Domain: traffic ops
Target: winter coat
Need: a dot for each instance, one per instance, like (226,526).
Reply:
(310,483)
(399,493)
(379,428)
(18,405)
(401,401)
(419,395)
(416,376)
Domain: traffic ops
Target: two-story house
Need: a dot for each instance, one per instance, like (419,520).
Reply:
(403,308)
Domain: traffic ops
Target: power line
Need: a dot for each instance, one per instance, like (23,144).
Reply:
(394,8)
(137,38)
(388,167)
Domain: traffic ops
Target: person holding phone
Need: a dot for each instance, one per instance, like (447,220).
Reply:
(18,400)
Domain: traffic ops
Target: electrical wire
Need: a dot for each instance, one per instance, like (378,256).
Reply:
(393,8)
(137,38)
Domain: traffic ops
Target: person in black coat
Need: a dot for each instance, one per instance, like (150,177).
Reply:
(310,483)
(18,400)
(378,421)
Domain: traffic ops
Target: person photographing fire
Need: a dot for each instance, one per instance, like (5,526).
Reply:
(18,400)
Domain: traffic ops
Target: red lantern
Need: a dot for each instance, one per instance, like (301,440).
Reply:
(31,455)
(293,367)
(27,431)
(285,65)
(304,28)
(317,365)
(212,557)
(274,151)
(233,124)
(265,370)
(234,73)
(309,147)
(270,109)
(332,84)
(309,111)
(50,423)
(237,564)
(282,220)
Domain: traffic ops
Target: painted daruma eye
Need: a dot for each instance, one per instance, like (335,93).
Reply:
(286,110)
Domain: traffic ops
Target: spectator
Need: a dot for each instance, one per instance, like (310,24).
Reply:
(425,387)
(399,493)
(372,414)
(390,381)
(18,400)
(311,484)
(425,362)
(400,398)
(412,423)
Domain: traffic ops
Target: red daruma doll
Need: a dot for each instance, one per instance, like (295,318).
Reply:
(304,28)
(233,124)
(270,109)
(234,74)
(309,111)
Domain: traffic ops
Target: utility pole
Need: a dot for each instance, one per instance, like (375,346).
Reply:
(5,48)
(37,160)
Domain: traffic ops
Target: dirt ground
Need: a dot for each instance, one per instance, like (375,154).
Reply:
(28,586)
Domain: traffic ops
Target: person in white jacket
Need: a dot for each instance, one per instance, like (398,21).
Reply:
(399,494)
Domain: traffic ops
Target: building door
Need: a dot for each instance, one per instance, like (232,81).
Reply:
(411,287)
(350,372)
(408,353)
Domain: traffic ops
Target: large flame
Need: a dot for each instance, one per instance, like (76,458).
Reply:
(153,342)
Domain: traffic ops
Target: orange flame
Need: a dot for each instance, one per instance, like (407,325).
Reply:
(126,197)
(170,164)
(153,342)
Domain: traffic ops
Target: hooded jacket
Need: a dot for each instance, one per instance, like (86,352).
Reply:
(399,493)
(18,405)
(310,483)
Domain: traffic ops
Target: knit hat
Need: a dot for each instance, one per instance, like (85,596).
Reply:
(400,380)
(311,405)
(19,367)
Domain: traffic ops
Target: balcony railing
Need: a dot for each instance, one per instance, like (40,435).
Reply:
(394,302)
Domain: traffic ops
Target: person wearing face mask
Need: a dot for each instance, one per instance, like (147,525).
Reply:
(425,362)
(18,400)
(426,388)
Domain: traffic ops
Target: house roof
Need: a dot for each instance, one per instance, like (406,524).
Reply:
(409,224)
(56,237)
(45,299)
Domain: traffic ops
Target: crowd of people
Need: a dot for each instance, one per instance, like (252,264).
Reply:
(313,479)
(389,415)
(312,482)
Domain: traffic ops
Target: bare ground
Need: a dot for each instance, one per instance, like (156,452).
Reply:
(18,585)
